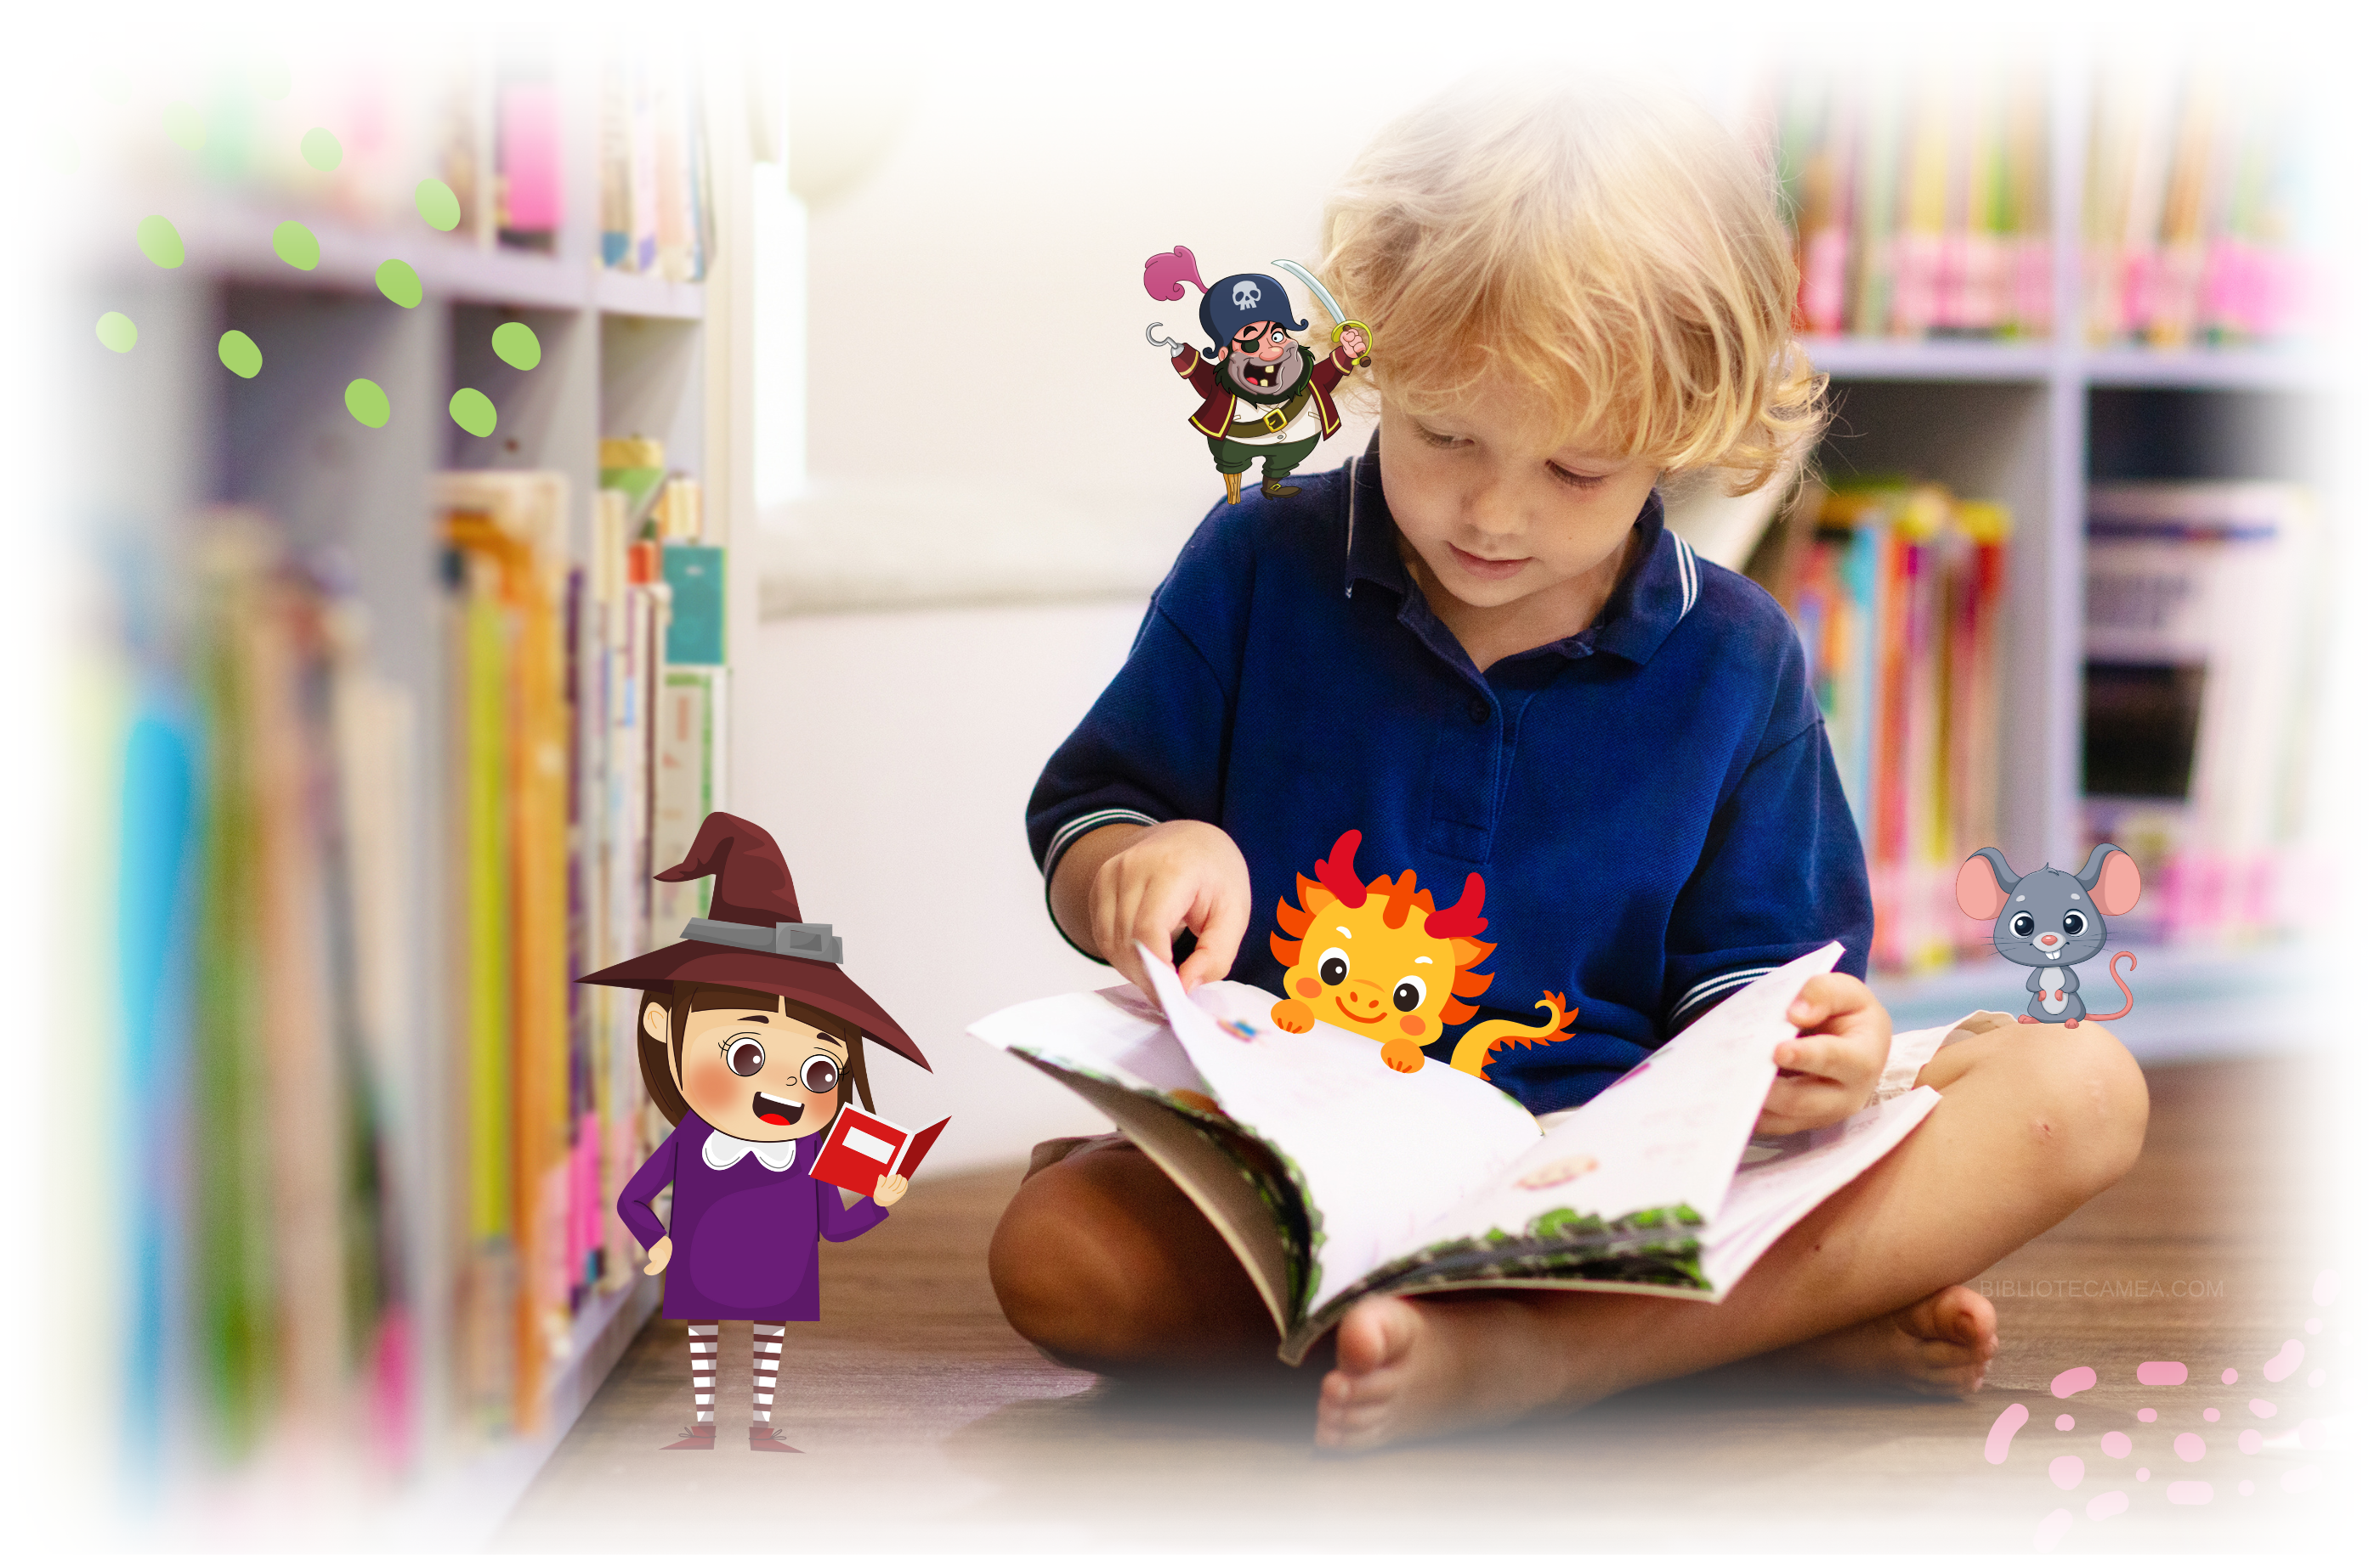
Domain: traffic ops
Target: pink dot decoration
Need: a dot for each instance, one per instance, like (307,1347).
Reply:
(2190,1446)
(2230,1375)
(2251,1442)
(2109,1504)
(2211,1415)
(2072,1381)
(2067,1472)
(2247,1487)
(2142,1475)
(2313,1325)
(2262,1410)
(2146,1416)
(2189,1492)
(2162,1374)
(2004,1429)
(2313,1377)
(2286,1362)
(2064,1422)
(2116,1444)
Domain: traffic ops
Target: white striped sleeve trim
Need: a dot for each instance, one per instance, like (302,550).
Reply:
(1690,574)
(1068,834)
(1714,988)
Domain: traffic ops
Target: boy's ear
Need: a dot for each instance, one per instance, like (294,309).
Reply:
(657,1021)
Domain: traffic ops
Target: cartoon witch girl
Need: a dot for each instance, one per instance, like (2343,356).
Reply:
(753,1043)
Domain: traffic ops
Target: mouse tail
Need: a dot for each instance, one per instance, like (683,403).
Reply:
(2120,955)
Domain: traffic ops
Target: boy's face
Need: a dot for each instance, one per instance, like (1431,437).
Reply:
(755,1074)
(1505,523)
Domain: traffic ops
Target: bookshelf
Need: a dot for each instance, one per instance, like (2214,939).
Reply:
(2031,422)
(165,434)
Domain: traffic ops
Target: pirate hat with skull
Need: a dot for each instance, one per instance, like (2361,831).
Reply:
(1231,304)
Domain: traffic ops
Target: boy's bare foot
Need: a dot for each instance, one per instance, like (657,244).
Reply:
(1940,1345)
(1413,1368)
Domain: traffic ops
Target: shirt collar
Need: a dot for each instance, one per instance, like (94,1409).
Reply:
(723,1150)
(1657,592)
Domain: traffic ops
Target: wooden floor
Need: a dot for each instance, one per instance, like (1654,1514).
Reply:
(925,1423)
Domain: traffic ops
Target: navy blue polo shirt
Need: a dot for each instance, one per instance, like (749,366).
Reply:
(1652,803)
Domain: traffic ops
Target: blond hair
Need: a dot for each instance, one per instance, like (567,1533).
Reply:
(1611,250)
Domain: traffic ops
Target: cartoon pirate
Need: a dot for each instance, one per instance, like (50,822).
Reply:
(1271,399)
(754,1039)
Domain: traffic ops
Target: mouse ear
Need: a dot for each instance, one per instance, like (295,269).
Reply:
(2118,889)
(1980,893)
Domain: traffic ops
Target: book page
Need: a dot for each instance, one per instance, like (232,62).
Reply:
(1663,1140)
(1380,1154)
(1113,1034)
(1768,1198)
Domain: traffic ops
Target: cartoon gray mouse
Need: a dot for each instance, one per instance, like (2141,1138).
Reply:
(2052,921)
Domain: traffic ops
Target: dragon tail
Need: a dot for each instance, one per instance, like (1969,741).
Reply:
(1477,1049)
(2120,955)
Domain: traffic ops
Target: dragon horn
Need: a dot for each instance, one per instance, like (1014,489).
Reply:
(1338,871)
(1462,920)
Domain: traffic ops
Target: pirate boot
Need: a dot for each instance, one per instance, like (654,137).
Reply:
(1274,487)
(1232,487)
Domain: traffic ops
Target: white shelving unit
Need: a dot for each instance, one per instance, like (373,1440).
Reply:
(2024,422)
(167,432)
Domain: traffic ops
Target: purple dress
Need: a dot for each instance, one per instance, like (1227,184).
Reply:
(743,1239)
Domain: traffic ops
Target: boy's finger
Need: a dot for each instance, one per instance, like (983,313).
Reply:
(1831,1058)
(1220,933)
(1826,996)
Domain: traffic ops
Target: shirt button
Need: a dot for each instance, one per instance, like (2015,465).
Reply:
(1478,709)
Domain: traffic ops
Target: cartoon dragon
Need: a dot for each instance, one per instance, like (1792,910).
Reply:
(1386,951)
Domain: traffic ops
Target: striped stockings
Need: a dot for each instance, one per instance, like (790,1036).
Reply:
(768,1348)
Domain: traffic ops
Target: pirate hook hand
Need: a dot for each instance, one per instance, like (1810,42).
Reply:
(660,1258)
(1171,346)
(889,1189)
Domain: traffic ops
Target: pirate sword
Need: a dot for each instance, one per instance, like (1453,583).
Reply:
(1322,295)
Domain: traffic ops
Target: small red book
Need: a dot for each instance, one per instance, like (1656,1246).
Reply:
(861,1147)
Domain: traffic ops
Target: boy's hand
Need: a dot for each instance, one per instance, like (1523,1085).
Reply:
(1827,1074)
(659,1260)
(889,1189)
(1183,874)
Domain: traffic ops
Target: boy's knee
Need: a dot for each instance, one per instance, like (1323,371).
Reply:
(2089,1103)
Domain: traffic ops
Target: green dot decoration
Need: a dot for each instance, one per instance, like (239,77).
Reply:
(269,77)
(184,126)
(398,282)
(299,248)
(437,204)
(517,346)
(367,403)
(240,354)
(160,242)
(473,411)
(117,333)
(319,148)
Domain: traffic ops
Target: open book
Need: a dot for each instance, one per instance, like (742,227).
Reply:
(1332,1176)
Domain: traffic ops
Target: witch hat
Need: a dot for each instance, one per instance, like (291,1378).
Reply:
(755,937)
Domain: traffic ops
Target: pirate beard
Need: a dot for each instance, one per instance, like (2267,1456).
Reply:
(1278,396)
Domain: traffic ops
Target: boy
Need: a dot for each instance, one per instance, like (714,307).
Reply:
(1479,645)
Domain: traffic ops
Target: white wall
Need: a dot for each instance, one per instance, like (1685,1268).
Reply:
(893,773)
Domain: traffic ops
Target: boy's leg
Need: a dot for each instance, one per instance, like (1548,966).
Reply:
(1102,1262)
(2033,1121)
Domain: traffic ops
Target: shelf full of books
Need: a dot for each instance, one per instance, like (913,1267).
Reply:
(1924,202)
(2197,737)
(404,627)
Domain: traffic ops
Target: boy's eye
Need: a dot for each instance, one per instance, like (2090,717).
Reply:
(746,1056)
(1332,968)
(1435,439)
(1408,994)
(1573,478)
(819,1074)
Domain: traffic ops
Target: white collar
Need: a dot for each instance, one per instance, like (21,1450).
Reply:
(723,1150)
